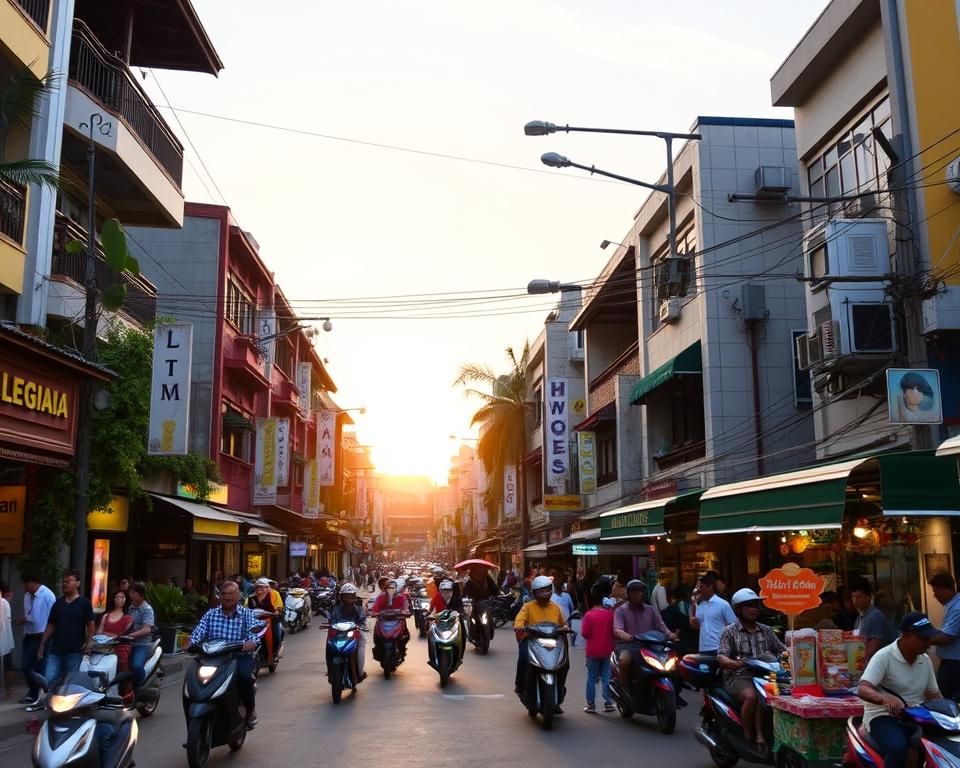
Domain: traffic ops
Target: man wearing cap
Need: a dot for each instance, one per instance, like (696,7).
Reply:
(948,641)
(348,608)
(634,618)
(904,669)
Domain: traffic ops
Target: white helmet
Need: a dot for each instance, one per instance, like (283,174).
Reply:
(445,585)
(744,595)
(263,581)
(541,582)
(348,589)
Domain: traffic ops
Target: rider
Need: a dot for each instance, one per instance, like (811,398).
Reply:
(233,623)
(349,608)
(433,586)
(444,599)
(390,599)
(634,618)
(480,586)
(904,669)
(539,610)
(142,630)
(746,638)
(265,598)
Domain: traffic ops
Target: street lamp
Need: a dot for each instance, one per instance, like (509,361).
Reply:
(604,244)
(535,287)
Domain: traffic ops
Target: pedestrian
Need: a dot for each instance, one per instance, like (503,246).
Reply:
(69,631)
(677,618)
(711,614)
(871,624)
(141,631)
(597,629)
(38,599)
(660,596)
(6,635)
(948,640)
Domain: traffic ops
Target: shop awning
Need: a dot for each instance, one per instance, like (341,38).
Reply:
(206,520)
(606,413)
(266,534)
(534,457)
(949,447)
(483,545)
(537,550)
(687,363)
(645,519)
(914,483)
(591,534)
(234,420)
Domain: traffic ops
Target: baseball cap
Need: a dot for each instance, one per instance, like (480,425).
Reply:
(918,623)
(262,582)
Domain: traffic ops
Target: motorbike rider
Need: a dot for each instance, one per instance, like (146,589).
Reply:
(444,599)
(632,618)
(391,599)
(433,586)
(480,586)
(265,598)
(233,623)
(349,608)
(142,629)
(746,638)
(540,609)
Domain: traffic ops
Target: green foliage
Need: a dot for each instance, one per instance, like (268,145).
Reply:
(169,604)
(194,470)
(50,525)
(113,240)
(19,106)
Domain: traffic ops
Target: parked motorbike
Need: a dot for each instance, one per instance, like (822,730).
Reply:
(720,729)
(146,690)
(343,641)
(939,744)
(445,644)
(388,645)
(479,624)
(86,726)
(322,601)
(296,610)
(547,655)
(266,657)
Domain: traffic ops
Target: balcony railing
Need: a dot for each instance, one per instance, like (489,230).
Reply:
(141,301)
(108,79)
(13,210)
(38,10)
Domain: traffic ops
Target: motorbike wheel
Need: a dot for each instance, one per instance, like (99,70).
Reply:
(198,741)
(500,620)
(548,704)
(722,759)
(272,666)
(443,667)
(625,712)
(666,711)
(787,758)
(149,707)
(336,682)
(483,641)
(236,742)
(388,665)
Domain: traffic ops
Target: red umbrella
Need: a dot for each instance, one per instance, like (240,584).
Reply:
(482,563)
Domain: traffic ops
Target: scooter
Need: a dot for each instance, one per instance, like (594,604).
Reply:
(103,658)
(939,744)
(388,633)
(266,658)
(343,641)
(547,655)
(421,609)
(296,610)
(720,729)
(505,609)
(480,623)
(650,688)
(445,644)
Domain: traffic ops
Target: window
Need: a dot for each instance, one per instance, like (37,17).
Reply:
(538,406)
(240,306)
(687,411)
(803,394)
(606,454)
(237,428)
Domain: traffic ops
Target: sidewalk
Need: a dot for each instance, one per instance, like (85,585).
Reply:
(15,721)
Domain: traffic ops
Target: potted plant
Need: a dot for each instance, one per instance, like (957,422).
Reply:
(171,610)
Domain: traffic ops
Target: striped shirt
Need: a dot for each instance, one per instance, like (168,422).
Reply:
(232,628)
(737,642)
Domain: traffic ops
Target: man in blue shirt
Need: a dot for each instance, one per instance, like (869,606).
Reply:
(711,614)
(948,640)
(234,624)
(37,602)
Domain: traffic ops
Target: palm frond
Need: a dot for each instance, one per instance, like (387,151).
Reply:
(25,172)
(470,372)
(19,101)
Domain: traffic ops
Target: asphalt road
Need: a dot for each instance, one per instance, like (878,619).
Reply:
(408,721)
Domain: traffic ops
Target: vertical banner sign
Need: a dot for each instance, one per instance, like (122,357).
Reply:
(283,452)
(483,519)
(170,389)
(267,331)
(510,492)
(361,498)
(326,455)
(303,384)
(377,528)
(587,461)
(311,496)
(99,575)
(265,466)
(556,442)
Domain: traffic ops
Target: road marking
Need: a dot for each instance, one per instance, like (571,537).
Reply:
(462,696)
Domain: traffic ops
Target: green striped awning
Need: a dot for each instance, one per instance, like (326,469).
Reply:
(644,519)
(949,447)
(686,363)
(914,483)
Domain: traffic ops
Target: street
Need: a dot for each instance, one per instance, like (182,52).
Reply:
(407,721)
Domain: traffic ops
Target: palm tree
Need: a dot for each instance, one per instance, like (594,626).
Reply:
(502,416)
(19,106)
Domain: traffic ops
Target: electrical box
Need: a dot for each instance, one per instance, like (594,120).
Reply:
(753,302)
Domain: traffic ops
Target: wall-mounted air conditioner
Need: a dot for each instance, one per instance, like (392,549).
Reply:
(845,248)
(670,310)
(861,324)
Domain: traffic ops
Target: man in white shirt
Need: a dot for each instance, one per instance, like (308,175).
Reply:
(904,668)
(37,602)
(660,597)
(711,614)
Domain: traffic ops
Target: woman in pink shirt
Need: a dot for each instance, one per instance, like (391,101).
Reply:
(597,629)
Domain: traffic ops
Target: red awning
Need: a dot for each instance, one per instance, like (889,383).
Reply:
(606,413)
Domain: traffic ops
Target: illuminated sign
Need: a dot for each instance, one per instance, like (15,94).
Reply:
(12,501)
(586,549)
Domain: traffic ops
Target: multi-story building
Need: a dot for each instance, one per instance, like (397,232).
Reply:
(408,504)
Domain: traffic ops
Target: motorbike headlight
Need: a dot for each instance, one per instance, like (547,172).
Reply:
(653,661)
(483,618)
(205,673)
(671,663)
(547,642)
(64,703)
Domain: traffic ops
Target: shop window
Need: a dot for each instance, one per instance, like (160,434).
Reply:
(240,306)
(538,406)
(606,455)
(678,422)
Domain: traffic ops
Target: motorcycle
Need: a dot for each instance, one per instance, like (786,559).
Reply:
(343,641)
(421,609)
(547,654)
(322,600)
(479,624)
(939,744)
(445,644)
(650,688)
(296,610)
(720,729)
(87,726)
(266,658)
(103,658)
(505,609)
(388,633)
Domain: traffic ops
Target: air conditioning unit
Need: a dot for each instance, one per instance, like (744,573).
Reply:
(830,341)
(670,310)
(862,206)
(772,179)
(803,352)
(847,248)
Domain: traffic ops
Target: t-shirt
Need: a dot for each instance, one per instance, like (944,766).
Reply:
(888,668)
(69,620)
(873,624)
(637,621)
(533,613)
(597,630)
(565,602)
(951,626)
(659,598)
(713,615)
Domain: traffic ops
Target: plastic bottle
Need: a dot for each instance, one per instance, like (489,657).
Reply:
(770,686)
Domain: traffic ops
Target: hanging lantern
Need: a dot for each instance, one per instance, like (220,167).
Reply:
(862,528)
(799,543)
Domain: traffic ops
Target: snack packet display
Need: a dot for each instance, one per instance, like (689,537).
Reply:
(841,659)
(803,656)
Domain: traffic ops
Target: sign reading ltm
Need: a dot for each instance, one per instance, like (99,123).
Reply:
(170,389)
(558,452)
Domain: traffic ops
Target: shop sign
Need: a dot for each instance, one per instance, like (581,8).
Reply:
(588,550)
(564,503)
(555,535)
(587,460)
(265,466)
(660,489)
(326,455)
(556,439)
(206,527)
(304,371)
(267,331)
(298,549)
(99,574)
(913,396)
(13,499)
(791,589)
(170,389)
(217,495)
(510,492)
(283,452)
(37,410)
(311,501)
(114,518)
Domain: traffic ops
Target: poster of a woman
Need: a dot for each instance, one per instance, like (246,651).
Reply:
(913,396)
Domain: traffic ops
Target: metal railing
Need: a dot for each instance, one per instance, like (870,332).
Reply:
(38,10)
(13,210)
(141,302)
(108,79)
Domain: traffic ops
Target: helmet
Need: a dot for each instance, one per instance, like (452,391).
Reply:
(541,582)
(263,581)
(744,595)
(348,589)
(446,584)
(392,582)
(635,584)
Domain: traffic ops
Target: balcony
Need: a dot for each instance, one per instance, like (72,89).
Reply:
(603,388)
(13,210)
(38,10)
(69,270)
(24,25)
